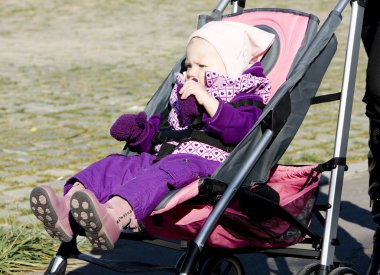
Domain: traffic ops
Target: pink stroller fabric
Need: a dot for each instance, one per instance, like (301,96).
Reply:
(183,221)
(290,41)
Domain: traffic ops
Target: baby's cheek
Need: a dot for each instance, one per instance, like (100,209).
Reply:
(201,80)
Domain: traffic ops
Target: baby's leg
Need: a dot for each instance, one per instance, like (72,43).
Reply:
(123,213)
(53,211)
(147,189)
(102,222)
(109,173)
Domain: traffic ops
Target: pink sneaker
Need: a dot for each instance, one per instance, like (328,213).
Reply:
(101,228)
(52,211)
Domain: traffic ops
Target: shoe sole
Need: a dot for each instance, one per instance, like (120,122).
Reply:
(84,212)
(44,210)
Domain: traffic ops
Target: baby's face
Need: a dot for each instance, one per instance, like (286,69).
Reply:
(201,56)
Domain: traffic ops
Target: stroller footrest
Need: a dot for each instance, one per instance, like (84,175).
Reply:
(119,266)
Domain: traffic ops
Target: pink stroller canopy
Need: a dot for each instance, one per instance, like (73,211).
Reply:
(290,29)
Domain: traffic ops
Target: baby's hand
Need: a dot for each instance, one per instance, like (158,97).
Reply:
(193,87)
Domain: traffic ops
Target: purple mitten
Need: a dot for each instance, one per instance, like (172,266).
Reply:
(136,130)
(187,109)
(144,142)
(129,127)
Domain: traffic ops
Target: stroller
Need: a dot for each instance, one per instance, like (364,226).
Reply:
(205,219)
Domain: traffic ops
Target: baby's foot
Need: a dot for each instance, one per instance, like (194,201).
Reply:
(52,211)
(100,226)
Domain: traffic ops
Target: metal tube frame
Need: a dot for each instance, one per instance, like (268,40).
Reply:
(342,133)
(232,188)
(222,5)
(58,261)
(341,5)
(236,8)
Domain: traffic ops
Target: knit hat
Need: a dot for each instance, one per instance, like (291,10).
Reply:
(238,44)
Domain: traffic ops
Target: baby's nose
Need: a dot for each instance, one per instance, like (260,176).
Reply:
(191,73)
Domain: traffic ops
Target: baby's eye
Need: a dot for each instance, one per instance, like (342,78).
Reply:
(202,66)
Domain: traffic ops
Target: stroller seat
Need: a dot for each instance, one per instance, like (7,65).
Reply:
(293,31)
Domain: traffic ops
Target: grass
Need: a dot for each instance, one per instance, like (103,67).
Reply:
(24,248)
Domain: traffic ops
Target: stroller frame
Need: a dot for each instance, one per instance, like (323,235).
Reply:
(323,248)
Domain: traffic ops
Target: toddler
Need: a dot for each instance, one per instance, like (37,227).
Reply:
(213,105)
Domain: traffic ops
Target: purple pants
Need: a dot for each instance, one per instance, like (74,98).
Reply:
(140,181)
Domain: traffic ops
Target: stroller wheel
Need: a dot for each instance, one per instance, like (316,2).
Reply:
(309,269)
(230,265)
(343,271)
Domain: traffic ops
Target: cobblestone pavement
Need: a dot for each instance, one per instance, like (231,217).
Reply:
(69,68)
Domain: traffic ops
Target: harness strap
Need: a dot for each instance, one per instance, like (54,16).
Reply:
(248,102)
(326,98)
(332,164)
(323,167)
(181,136)
(165,149)
(204,137)
(172,135)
